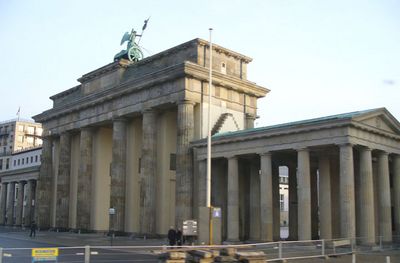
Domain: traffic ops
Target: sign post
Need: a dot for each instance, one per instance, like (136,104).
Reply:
(44,254)
(111,212)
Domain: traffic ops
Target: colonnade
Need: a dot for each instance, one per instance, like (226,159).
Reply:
(141,184)
(17,209)
(342,191)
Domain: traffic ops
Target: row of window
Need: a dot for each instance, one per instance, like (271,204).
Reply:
(23,161)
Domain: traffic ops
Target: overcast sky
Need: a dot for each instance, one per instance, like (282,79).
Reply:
(317,57)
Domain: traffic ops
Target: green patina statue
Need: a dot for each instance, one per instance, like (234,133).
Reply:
(133,51)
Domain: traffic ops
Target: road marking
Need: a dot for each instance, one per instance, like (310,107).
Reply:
(7,255)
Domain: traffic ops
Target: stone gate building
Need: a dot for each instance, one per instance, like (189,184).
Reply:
(131,137)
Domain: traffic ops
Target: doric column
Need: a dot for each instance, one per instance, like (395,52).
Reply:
(148,173)
(44,185)
(385,213)
(304,194)
(254,202)
(20,203)
(367,227)
(63,181)
(28,207)
(276,204)
(250,121)
(233,199)
(347,203)
(396,192)
(10,204)
(3,203)
(184,170)
(202,183)
(84,199)
(118,174)
(325,208)
(293,203)
(266,205)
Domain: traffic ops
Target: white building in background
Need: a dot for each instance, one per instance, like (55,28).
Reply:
(284,195)
(20,154)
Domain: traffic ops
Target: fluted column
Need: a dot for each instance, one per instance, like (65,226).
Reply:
(84,199)
(148,173)
(385,207)
(250,121)
(347,203)
(202,183)
(304,194)
(44,185)
(367,212)
(3,203)
(254,197)
(63,181)
(325,208)
(233,199)
(10,204)
(184,177)
(20,203)
(118,174)
(396,192)
(293,203)
(28,207)
(266,205)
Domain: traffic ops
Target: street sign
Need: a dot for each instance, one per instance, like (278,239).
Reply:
(44,254)
(111,211)
(216,212)
(190,228)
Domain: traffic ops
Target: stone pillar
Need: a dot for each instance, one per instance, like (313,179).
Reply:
(28,207)
(10,204)
(266,205)
(3,203)
(202,183)
(314,203)
(367,227)
(304,195)
(84,199)
(63,181)
(233,199)
(250,121)
(118,175)
(325,207)
(254,192)
(20,204)
(184,169)
(44,185)
(276,204)
(293,209)
(385,212)
(396,192)
(347,203)
(148,173)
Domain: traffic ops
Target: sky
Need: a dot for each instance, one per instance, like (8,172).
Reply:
(318,58)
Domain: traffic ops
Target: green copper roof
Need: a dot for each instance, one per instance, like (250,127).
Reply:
(342,116)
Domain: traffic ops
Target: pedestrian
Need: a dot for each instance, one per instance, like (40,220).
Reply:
(172,236)
(33,229)
(179,237)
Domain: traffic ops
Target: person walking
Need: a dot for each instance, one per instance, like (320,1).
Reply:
(172,236)
(33,229)
(179,237)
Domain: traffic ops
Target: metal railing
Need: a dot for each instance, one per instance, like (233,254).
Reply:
(274,251)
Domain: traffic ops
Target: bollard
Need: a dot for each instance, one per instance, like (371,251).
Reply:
(323,247)
(87,254)
(280,250)
(387,259)
(353,258)
(1,254)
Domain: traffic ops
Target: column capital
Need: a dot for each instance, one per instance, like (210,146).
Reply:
(383,153)
(119,119)
(231,157)
(345,144)
(302,149)
(365,148)
(180,102)
(265,153)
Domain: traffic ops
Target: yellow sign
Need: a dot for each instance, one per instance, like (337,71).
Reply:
(45,252)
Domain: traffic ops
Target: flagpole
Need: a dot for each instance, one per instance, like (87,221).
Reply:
(209,147)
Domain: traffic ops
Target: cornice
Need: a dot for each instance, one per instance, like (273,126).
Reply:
(199,72)
(225,51)
(65,92)
(104,70)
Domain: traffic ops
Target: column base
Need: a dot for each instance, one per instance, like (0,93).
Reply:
(232,242)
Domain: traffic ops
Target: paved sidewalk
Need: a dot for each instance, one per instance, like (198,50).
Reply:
(68,239)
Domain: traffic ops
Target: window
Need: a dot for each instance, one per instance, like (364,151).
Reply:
(1,164)
(281,202)
(23,160)
(36,158)
(31,130)
(7,163)
(19,161)
(27,160)
(20,138)
(31,159)
(21,128)
(15,162)
(223,68)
